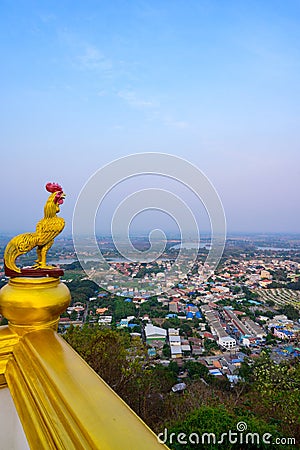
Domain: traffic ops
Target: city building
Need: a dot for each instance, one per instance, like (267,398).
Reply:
(175,343)
(154,333)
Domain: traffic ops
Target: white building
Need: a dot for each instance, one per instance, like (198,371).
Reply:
(105,320)
(227,342)
(154,333)
(175,343)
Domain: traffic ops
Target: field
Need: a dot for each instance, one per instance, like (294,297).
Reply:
(280,296)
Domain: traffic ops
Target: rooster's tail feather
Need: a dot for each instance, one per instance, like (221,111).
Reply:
(19,245)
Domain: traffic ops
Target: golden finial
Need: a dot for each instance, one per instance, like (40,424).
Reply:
(42,238)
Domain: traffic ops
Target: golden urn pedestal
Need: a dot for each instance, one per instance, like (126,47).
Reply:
(31,304)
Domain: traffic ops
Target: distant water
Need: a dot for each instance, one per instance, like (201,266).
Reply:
(278,249)
(192,245)
(58,262)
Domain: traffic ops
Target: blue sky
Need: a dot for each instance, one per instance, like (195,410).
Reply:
(217,83)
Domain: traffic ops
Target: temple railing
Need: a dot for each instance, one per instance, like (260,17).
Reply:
(61,402)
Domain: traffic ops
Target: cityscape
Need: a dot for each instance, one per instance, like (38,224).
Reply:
(249,304)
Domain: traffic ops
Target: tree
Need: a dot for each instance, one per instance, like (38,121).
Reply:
(210,344)
(174,368)
(270,339)
(145,308)
(273,391)
(104,350)
(186,329)
(250,295)
(197,370)
(278,389)
(123,309)
(291,312)
(166,351)
(295,285)
(236,289)
(270,302)
(73,315)
(171,323)
(122,362)
(216,420)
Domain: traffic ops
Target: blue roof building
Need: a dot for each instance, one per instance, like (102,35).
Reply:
(171,316)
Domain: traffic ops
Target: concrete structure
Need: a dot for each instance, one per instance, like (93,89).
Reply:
(237,322)
(185,345)
(227,342)
(173,307)
(255,329)
(224,340)
(176,351)
(105,320)
(175,343)
(265,274)
(154,333)
(11,431)
(283,333)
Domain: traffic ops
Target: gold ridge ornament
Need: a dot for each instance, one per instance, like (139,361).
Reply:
(46,231)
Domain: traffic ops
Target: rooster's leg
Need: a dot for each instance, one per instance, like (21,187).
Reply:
(39,255)
(44,250)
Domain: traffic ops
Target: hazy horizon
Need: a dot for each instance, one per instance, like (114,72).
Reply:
(169,233)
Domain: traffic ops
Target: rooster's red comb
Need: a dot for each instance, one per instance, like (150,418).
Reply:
(53,187)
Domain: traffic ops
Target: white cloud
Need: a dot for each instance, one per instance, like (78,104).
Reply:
(101,93)
(47,17)
(133,100)
(92,59)
(153,109)
(175,123)
(88,57)
(84,55)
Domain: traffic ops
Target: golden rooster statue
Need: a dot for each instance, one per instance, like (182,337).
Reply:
(43,237)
